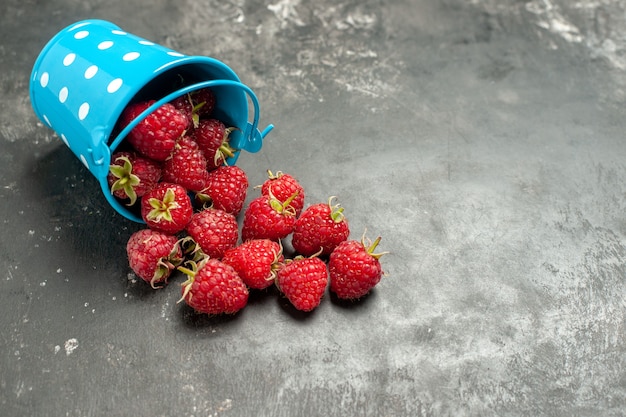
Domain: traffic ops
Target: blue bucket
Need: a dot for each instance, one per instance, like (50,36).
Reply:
(92,70)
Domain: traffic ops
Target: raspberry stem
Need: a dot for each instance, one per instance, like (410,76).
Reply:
(370,247)
(336,211)
(282,207)
(276,264)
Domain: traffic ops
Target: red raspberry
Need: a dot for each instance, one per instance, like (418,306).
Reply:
(354,269)
(186,166)
(215,288)
(321,227)
(166,208)
(256,262)
(184,105)
(131,176)
(152,255)
(283,186)
(303,281)
(156,135)
(195,104)
(268,218)
(204,101)
(212,138)
(214,230)
(226,189)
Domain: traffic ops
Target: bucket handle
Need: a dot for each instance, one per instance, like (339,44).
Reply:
(253,138)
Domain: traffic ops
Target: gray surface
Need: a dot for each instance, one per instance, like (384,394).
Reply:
(483,140)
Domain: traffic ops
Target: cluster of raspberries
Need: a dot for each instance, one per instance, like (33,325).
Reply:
(173,171)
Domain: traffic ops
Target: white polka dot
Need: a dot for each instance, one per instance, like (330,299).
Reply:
(131,56)
(63,94)
(45,77)
(81,35)
(83,111)
(69,58)
(90,72)
(176,54)
(148,43)
(64,139)
(84,161)
(114,85)
(45,118)
(118,32)
(105,45)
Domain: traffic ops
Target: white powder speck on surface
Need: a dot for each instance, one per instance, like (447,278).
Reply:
(70,346)
(164,309)
(132,278)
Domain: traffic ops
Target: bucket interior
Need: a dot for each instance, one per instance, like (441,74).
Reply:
(231,102)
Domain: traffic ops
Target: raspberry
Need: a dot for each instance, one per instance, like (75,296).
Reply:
(226,189)
(184,105)
(156,135)
(303,281)
(214,288)
(152,255)
(204,101)
(321,227)
(256,262)
(214,230)
(211,135)
(354,269)
(267,218)
(186,166)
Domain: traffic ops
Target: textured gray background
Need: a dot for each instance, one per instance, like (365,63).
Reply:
(482,139)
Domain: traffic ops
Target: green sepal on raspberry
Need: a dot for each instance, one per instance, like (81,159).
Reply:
(130,175)
(162,209)
(283,186)
(336,211)
(167,207)
(283,207)
(125,179)
(224,151)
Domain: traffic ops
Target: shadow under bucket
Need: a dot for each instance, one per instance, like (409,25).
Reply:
(92,70)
